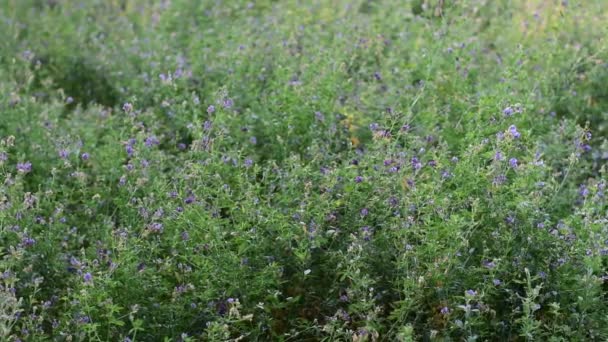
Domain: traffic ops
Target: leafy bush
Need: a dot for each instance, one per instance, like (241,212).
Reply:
(365,171)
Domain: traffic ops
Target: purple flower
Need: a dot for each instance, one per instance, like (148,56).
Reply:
(498,156)
(364,212)
(393,201)
(207,125)
(3,156)
(358,179)
(367,233)
(28,241)
(445,310)
(583,191)
(228,103)
(489,264)
(471,293)
(127,107)
(151,141)
(88,278)
(63,154)
(496,282)
(190,199)
(513,162)
(508,111)
(84,320)
(248,162)
(85,156)
(319,116)
(24,167)
(181,146)
(514,132)
(156,227)
(416,164)
(211,109)
(373,126)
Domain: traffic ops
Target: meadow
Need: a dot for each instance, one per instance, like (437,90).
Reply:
(310,170)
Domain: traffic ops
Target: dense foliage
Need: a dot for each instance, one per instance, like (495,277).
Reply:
(390,170)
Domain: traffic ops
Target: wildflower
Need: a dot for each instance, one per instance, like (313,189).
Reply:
(24,167)
(364,212)
(190,199)
(583,191)
(514,133)
(84,320)
(151,141)
(393,201)
(248,162)
(508,111)
(28,241)
(489,264)
(63,154)
(228,103)
(207,125)
(367,233)
(416,164)
(510,219)
(498,156)
(85,156)
(211,109)
(156,227)
(445,310)
(319,116)
(471,293)
(496,282)
(129,150)
(127,107)
(88,278)
(513,162)
(358,179)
